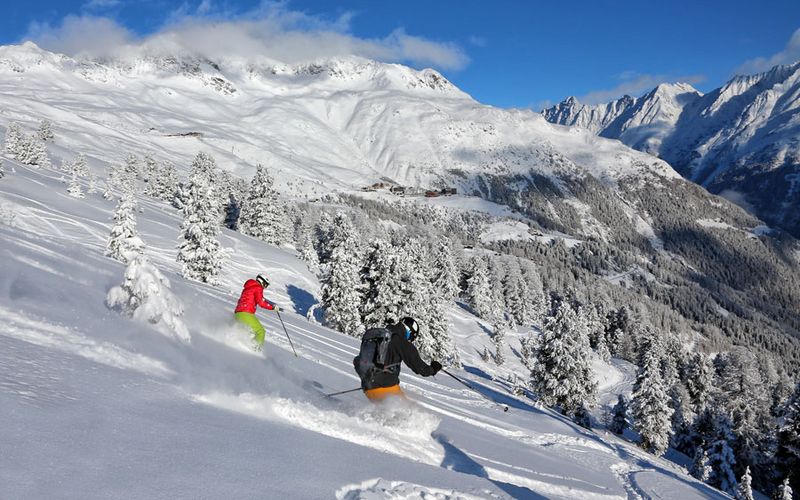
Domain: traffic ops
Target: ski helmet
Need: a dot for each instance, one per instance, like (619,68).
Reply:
(262,281)
(412,328)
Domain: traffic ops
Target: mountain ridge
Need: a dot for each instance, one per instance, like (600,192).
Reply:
(741,140)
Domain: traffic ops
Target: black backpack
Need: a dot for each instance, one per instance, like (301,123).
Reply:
(371,357)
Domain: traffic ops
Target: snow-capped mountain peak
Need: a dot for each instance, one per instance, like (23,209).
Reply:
(740,139)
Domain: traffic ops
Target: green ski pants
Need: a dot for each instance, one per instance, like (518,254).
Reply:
(250,320)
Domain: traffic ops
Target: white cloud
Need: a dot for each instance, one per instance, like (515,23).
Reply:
(101,4)
(635,84)
(789,54)
(271,31)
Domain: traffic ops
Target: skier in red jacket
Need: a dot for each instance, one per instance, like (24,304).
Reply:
(253,295)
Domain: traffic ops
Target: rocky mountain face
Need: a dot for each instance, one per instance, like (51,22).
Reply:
(335,126)
(741,140)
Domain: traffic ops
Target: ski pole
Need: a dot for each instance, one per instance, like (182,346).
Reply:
(286,332)
(505,407)
(342,392)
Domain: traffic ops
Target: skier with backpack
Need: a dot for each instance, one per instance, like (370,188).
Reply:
(382,351)
(252,296)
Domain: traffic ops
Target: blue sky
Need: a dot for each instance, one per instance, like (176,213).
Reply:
(505,53)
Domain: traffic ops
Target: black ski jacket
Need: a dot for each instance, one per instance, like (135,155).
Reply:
(400,349)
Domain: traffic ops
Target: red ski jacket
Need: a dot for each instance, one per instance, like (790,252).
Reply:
(252,294)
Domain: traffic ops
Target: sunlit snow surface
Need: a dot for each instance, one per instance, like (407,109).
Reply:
(95,405)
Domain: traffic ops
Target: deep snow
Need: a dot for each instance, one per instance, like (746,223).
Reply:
(96,405)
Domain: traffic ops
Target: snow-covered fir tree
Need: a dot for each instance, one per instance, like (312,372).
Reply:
(746,398)
(721,457)
(200,252)
(132,167)
(784,491)
(341,280)
(499,339)
(744,491)
(479,293)
(150,176)
(181,195)
(561,373)
(165,182)
(423,302)
(787,455)
(74,189)
(497,303)
(45,132)
(2,169)
(323,233)
(14,139)
(124,242)
(263,216)
(699,380)
(514,294)
(383,288)
(445,271)
(79,166)
(526,350)
(145,296)
(649,403)
(32,151)
(619,416)
(701,468)
(534,291)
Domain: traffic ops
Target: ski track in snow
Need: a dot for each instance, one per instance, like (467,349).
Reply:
(528,452)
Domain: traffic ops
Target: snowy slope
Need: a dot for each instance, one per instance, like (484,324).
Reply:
(95,405)
(742,139)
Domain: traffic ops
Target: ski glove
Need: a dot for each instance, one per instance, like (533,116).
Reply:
(436,366)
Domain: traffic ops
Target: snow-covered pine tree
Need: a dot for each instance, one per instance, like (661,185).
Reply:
(132,167)
(151,175)
(485,355)
(74,188)
(200,252)
(445,271)
(683,438)
(165,182)
(787,455)
(479,292)
(746,397)
(341,281)
(699,380)
(323,232)
(14,139)
(649,404)
(513,294)
(382,282)
(784,491)
(263,216)
(534,291)
(561,373)
(720,456)
(526,348)
(499,339)
(745,489)
(701,468)
(2,169)
(619,416)
(497,301)
(45,132)
(145,295)
(32,151)
(79,166)
(124,242)
(181,196)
